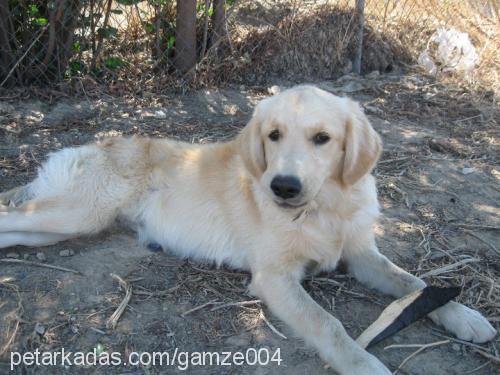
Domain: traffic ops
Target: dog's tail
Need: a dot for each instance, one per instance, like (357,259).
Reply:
(16,196)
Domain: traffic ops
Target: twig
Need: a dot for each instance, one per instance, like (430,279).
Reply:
(97,330)
(100,41)
(475,226)
(199,307)
(491,357)
(271,327)
(448,268)
(23,56)
(463,342)
(205,29)
(18,313)
(43,265)
(492,247)
(242,303)
(416,352)
(113,319)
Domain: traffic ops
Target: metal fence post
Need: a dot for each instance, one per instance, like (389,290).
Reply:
(360,10)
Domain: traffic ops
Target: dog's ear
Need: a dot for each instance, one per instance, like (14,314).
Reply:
(251,147)
(362,146)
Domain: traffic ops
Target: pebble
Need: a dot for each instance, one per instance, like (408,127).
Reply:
(39,328)
(12,255)
(352,87)
(273,90)
(41,256)
(66,253)
(242,340)
(160,114)
(455,347)
(466,171)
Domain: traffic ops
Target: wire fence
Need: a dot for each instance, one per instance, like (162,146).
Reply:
(131,44)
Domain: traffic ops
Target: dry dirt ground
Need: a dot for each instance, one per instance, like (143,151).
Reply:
(439,186)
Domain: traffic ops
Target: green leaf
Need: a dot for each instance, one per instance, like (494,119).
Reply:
(149,27)
(76,47)
(170,42)
(41,21)
(100,348)
(107,32)
(114,63)
(74,68)
(33,10)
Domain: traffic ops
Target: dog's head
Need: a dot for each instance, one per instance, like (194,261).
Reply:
(303,137)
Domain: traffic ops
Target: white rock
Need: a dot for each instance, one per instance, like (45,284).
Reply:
(39,328)
(160,114)
(273,90)
(466,171)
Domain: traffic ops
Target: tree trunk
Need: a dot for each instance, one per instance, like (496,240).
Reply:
(185,35)
(218,20)
(6,56)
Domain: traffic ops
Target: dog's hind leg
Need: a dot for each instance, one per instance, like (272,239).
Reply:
(9,239)
(66,218)
(15,196)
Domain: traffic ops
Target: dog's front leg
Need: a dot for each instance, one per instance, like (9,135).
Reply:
(366,264)
(285,297)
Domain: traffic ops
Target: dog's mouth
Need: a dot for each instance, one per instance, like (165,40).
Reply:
(290,206)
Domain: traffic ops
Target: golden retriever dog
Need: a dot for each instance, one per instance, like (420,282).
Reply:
(293,190)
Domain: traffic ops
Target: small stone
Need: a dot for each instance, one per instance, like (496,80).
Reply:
(455,347)
(242,340)
(39,328)
(41,256)
(12,255)
(373,74)
(160,114)
(66,253)
(273,90)
(466,171)
(352,87)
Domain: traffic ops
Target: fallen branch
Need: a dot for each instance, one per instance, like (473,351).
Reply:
(113,319)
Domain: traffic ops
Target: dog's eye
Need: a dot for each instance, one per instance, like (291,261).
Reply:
(274,135)
(321,138)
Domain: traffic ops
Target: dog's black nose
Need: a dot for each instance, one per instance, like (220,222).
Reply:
(286,187)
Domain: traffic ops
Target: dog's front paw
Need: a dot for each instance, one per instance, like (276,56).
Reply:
(463,322)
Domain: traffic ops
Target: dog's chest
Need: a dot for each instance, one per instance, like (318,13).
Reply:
(319,238)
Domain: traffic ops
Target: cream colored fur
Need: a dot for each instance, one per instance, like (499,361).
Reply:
(214,202)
